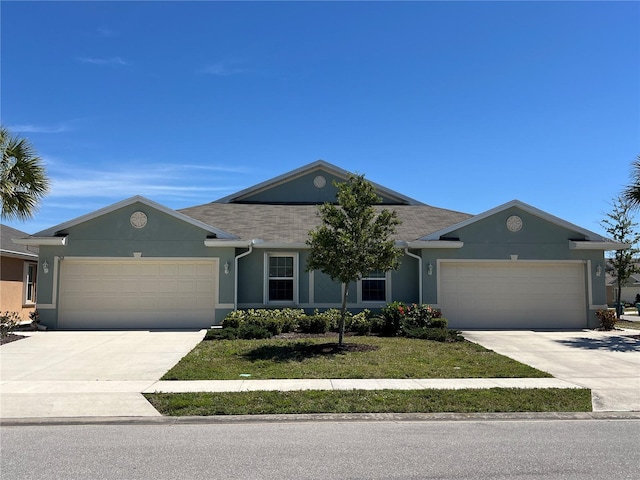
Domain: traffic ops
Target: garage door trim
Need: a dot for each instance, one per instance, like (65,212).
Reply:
(212,263)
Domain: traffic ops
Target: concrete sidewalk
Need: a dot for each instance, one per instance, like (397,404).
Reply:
(58,399)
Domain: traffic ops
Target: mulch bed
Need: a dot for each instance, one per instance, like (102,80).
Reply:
(12,337)
(329,347)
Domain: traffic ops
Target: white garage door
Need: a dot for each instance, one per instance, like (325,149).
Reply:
(513,295)
(142,293)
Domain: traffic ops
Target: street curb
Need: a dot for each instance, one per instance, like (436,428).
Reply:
(320,417)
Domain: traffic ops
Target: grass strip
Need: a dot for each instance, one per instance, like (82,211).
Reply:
(389,358)
(373,401)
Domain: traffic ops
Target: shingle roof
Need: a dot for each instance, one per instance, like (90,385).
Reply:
(8,246)
(291,223)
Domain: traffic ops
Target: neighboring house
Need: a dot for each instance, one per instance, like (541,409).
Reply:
(18,273)
(138,264)
(629,291)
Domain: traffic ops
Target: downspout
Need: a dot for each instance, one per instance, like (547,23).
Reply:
(235,273)
(419,258)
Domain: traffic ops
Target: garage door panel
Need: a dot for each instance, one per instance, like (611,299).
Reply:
(137,294)
(506,295)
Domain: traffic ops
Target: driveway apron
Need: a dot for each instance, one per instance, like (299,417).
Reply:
(80,373)
(606,362)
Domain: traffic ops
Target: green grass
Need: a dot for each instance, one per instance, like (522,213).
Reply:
(373,401)
(392,358)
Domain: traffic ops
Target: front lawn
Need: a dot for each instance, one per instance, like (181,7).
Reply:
(378,357)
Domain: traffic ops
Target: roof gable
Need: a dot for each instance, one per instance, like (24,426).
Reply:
(50,232)
(588,235)
(310,184)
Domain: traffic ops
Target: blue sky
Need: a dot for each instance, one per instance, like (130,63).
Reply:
(462,105)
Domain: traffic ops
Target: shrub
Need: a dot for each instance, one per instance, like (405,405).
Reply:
(434,334)
(274,320)
(607,319)
(392,316)
(245,331)
(8,322)
(439,322)
(360,323)
(314,324)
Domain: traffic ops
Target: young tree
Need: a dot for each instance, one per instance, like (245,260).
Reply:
(621,228)
(352,240)
(23,181)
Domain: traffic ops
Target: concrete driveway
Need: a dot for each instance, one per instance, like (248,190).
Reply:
(606,362)
(74,373)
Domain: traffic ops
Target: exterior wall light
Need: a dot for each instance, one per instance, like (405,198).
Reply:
(598,270)
(429,269)
(45,267)
(226,268)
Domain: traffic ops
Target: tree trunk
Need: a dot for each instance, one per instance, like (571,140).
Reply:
(619,295)
(343,314)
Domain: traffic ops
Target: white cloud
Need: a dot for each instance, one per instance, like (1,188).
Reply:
(163,183)
(221,69)
(113,61)
(25,128)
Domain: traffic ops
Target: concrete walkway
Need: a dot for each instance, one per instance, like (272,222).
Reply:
(606,362)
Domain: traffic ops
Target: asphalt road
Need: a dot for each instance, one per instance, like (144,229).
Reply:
(497,449)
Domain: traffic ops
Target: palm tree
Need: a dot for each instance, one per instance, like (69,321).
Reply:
(23,180)
(632,192)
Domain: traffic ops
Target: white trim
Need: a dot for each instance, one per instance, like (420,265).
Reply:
(25,276)
(295,279)
(436,244)
(37,241)
(598,246)
(216,242)
(20,255)
(387,290)
(130,201)
(524,207)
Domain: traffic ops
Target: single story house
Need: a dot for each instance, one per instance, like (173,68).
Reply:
(138,264)
(18,273)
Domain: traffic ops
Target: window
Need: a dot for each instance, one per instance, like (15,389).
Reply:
(374,287)
(281,284)
(30,274)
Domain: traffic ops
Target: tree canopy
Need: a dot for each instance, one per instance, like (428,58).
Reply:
(353,240)
(619,224)
(23,181)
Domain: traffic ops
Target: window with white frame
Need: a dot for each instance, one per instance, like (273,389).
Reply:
(281,282)
(30,276)
(373,287)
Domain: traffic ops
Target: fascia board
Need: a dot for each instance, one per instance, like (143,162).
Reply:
(53,241)
(598,246)
(425,244)
(221,243)
(129,201)
(22,255)
(522,206)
